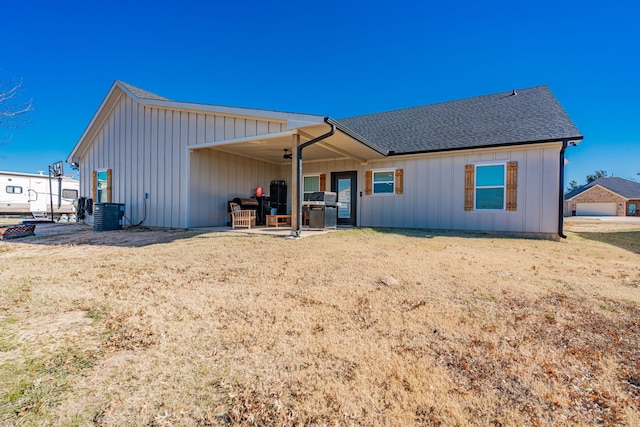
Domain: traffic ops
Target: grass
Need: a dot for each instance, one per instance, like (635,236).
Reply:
(360,327)
(629,240)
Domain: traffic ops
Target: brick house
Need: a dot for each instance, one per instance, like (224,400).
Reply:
(604,197)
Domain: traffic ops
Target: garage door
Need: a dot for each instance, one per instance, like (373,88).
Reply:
(596,209)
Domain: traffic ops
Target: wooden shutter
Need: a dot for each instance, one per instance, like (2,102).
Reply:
(512,186)
(468,187)
(108,185)
(399,181)
(94,185)
(323,182)
(368,183)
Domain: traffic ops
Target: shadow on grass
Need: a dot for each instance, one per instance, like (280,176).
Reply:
(83,235)
(629,240)
(430,233)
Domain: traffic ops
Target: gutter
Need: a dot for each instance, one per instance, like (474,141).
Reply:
(565,143)
(298,226)
(510,144)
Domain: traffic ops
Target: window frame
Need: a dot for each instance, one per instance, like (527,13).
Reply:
(478,165)
(304,192)
(392,181)
(97,191)
(14,187)
(69,189)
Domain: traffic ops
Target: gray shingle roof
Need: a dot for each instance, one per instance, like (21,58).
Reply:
(143,94)
(532,115)
(624,187)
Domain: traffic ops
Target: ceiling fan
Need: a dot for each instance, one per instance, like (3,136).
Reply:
(287,154)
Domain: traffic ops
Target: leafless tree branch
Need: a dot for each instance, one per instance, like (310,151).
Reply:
(12,109)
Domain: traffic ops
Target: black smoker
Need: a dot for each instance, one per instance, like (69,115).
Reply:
(278,197)
(323,209)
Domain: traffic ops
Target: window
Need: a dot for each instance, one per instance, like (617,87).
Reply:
(14,189)
(387,181)
(632,209)
(69,194)
(102,186)
(490,186)
(310,184)
(383,182)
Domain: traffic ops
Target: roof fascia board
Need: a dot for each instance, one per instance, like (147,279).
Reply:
(243,139)
(98,118)
(489,146)
(335,149)
(441,153)
(626,199)
(305,119)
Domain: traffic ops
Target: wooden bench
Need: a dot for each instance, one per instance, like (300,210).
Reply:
(278,220)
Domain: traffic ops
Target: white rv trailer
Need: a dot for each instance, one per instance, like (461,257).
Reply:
(29,194)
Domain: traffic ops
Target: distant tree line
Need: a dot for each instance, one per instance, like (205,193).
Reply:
(573,185)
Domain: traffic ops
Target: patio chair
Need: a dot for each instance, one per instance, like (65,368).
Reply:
(242,218)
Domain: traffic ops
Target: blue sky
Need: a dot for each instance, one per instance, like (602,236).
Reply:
(335,58)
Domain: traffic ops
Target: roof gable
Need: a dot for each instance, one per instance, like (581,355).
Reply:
(141,96)
(524,116)
(136,92)
(623,187)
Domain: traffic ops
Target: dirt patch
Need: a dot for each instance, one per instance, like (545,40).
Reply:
(357,327)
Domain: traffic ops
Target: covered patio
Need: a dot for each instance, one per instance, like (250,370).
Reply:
(226,169)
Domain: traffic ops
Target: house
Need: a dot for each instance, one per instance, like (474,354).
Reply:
(604,197)
(492,163)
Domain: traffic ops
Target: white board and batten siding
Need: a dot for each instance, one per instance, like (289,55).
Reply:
(433,194)
(146,149)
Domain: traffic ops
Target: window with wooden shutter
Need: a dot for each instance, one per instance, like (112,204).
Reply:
(101,187)
(399,181)
(469,187)
(323,182)
(368,183)
(512,186)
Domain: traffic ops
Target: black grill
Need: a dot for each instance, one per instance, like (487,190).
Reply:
(246,203)
(323,209)
(328,197)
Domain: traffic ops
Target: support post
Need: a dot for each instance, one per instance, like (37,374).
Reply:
(50,193)
(296,172)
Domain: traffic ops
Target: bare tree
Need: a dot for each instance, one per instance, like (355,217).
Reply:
(12,109)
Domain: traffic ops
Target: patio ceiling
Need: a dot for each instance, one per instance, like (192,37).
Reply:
(270,147)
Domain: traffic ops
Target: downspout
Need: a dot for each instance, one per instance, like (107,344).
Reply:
(298,226)
(565,143)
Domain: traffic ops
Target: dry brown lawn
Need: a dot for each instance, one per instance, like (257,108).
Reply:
(358,327)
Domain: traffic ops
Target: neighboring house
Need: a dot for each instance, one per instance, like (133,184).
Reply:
(492,163)
(604,197)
